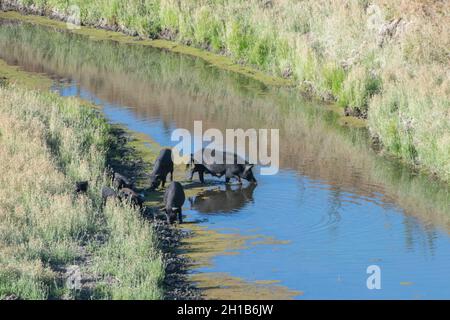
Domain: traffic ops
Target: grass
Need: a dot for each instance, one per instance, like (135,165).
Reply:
(414,124)
(350,53)
(48,143)
(207,90)
(221,61)
(34,81)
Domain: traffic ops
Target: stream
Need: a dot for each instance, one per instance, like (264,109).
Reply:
(311,231)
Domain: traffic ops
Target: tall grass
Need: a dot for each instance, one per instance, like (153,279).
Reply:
(48,143)
(413,122)
(349,51)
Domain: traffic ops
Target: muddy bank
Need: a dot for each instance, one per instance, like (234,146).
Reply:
(183,247)
(124,157)
(128,158)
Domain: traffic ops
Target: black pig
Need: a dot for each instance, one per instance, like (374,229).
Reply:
(232,166)
(81,186)
(174,198)
(163,166)
(131,196)
(120,181)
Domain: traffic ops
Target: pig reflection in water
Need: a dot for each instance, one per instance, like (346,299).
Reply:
(232,199)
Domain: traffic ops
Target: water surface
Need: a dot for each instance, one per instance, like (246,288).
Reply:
(335,207)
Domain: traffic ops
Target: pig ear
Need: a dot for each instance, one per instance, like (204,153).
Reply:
(249,166)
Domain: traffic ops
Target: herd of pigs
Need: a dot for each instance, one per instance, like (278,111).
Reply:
(174,196)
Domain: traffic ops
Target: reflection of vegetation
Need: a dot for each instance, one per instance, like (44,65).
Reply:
(220,61)
(48,143)
(387,59)
(105,55)
(181,89)
(28,80)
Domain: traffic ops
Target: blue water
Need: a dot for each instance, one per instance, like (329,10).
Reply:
(333,243)
(333,235)
(339,210)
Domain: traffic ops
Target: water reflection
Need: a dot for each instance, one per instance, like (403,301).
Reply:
(225,199)
(340,205)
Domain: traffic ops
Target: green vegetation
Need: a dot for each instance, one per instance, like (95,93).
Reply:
(221,61)
(48,143)
(40,275)
(414,125)
(33,81)
(360,54)
(202,89)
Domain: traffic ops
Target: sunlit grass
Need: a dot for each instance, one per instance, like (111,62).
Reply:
(47,143)
(208,91)
(345,52)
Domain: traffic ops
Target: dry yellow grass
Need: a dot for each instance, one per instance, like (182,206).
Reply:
(46,143)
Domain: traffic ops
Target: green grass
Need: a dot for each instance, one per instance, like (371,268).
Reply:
(356,91)
(415,126)
(328,49)
(48,143)
(34,81)
(65,54)
(334,76)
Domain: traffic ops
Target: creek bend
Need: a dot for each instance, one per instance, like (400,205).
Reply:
(311,231)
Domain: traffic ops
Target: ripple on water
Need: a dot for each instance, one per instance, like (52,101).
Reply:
(333,209)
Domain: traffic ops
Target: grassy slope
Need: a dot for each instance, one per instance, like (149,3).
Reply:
(395,73)
(47,143)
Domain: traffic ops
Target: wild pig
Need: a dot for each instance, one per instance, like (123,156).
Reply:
(120,181)
(81,186)
(163,166)
(231,166)
(174,198)
(126,194)
(201,170)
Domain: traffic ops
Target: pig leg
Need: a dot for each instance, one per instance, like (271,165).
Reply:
(163,181)
(192,173)
(201,175)
(180,216)
(228,176)
(169,215)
